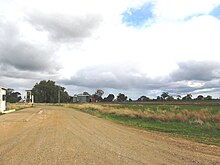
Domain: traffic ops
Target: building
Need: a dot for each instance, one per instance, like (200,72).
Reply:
(73,99)
(92,100)
(2,100)
(29,98)
(82,98)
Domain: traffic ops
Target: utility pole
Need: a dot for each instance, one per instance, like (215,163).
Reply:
(59,95)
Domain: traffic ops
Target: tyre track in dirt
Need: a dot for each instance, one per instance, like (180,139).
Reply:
(58,135)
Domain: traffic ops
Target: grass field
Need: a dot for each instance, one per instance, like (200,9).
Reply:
(197,121)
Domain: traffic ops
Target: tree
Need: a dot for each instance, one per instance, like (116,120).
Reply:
(110,98)
(49,92)
(178,97)
(64,96)
(187,97)
(170,98)
(143,98)
(86,93)
(159,98)
(12,97)
(98,95)
(208,97)
(121,97)
(164,95)
(200,97)
(99,92)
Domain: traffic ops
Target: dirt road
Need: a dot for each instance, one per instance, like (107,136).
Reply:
(57,135)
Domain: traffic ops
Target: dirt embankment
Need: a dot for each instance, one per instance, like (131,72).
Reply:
(57,135)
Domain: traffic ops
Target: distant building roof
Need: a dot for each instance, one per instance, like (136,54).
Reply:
(82,95)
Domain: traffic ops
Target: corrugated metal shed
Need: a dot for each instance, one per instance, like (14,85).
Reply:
(81,98)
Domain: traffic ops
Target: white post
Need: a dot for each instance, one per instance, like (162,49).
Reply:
(2,100)
(32,99)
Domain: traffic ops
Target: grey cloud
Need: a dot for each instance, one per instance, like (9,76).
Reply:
(11,72)
(22,55)
(65,27)
(17,84)
(181,81)
(121,77)
(206,73)
(25,57)
(193,70)
(215,83)
(179,90)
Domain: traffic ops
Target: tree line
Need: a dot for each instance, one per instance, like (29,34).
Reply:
(49,92)
(12,96)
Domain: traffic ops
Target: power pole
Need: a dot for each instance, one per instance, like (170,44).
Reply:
(59,95)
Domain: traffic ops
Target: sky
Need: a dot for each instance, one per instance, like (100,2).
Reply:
(135,47)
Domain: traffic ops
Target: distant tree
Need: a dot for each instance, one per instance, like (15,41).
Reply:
(99,92)
(121,97)
(143,98)
(159,98)
(130,100)
(86,93)
(200,97)
(98,95)
(208,97)
(170,98)
(49,92)
(110,98)
(64,96)
(11,96)
(164,95)
(184,98)
(187,97)
(178,97)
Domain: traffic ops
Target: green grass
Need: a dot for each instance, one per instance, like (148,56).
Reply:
(156,107)
(19,109)
(208,132)
(195,133)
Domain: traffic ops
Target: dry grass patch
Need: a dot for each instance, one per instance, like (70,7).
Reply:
(174,115)
(17,106)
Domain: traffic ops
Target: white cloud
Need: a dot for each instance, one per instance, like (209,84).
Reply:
(181,9)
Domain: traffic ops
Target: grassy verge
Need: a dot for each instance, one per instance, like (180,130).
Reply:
(200,124)
(18,106)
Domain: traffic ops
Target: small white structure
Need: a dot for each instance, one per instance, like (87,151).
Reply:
(29,98)
(2,100)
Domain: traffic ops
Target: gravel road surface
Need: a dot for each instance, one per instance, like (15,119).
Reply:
(57,135)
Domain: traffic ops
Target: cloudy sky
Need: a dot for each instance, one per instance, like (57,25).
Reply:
(138,47)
